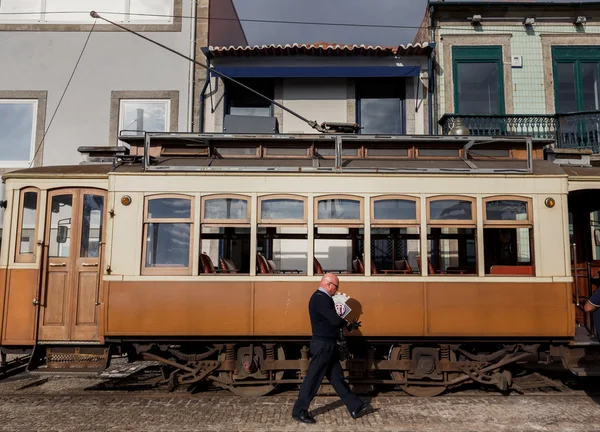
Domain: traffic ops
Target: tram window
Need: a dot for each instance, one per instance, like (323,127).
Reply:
(224,250)
(339,209)
(395,241)
(167,228)
(394,250)
(60,226)
(340,250)
(27,226)
(508,236)
(451,237)
(91,225)
(282,209)
(451,251)
(225,235)
(282,250)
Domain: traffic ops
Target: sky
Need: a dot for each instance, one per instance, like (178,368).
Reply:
(408,13)
(379,12)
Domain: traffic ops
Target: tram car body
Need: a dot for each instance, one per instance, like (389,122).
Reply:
(201,252)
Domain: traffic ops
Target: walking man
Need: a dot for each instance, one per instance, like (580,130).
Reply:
(326,325)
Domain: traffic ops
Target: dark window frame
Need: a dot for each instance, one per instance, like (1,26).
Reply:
(479,54)
(576,55)
(359,95)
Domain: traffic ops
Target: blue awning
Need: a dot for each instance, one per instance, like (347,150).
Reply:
(320,72)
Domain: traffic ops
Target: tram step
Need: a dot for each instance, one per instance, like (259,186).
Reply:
(71,359)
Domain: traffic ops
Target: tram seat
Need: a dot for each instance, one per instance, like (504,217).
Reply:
(403,266)
(318,269)
(359,268)
(430,269)
(227,265)
(272,266)
(262,265)
(512,270)
(206,264)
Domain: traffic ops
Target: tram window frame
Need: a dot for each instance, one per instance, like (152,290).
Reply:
(350,224)
(168,270)
(396,224)
(496,224)
(280,223)
(205,222)
(27,257)
(448,224)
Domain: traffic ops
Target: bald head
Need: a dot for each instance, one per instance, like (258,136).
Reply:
(330,283)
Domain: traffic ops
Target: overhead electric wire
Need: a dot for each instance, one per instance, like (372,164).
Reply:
(266,21)
(311,123)
(39,146)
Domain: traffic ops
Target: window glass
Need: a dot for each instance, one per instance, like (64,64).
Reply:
(168,245)
(329,151)
(565,82)
(589,79)
(395,209)
(12,7)
(145,8)
(450,210)
(345,209)
(391,152)
(226,249)
(137,116)
(478,88)
(17,123)
(60,226)
(506,210)
(282,208)
(83,8)
(381,106)
(508,251)
(282,250)
(244,102)
(452,251)
(169,208)
(339,250)
(437,152)
(28,223)
(226,208)
(237,151)
(394,251)
(91,225)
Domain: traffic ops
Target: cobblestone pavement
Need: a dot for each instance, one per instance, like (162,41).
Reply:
(97,403)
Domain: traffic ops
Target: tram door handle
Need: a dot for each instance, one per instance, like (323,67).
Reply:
(36,302)
(64,264)
(89,265)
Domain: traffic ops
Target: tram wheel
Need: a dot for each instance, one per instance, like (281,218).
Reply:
(243,387)
(423,391)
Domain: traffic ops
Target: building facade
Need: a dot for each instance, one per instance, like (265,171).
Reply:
(383,89)
(520,69)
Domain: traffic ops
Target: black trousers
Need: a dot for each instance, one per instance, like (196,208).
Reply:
(325,362)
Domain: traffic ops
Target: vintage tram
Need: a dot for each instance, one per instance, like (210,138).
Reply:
(200,251)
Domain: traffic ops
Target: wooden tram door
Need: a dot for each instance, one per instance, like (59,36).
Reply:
(73,254)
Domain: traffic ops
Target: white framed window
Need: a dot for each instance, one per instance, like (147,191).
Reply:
(18,123)
(137,116)
(78,11)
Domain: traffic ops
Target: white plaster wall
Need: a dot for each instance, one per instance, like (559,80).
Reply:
(320,100)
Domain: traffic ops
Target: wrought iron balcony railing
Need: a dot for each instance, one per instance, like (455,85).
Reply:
(573,130)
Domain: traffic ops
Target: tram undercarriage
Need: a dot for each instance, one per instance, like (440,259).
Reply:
(254,369)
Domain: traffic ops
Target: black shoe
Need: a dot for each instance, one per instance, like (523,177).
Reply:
(364,408)
(304,418)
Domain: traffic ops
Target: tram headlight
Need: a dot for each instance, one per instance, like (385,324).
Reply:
(125,200)
(550,202)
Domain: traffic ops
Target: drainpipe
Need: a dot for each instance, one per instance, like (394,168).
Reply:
(203,93)
(433,83)
(430,93)
(192,73)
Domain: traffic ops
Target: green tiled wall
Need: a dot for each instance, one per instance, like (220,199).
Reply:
(528,81)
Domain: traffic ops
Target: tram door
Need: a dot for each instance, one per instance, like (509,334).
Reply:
(71,286)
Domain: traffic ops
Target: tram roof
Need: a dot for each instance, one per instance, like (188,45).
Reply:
(416,167)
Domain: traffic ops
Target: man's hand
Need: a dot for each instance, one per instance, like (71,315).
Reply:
(354,325)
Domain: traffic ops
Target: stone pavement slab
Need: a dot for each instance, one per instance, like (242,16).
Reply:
(221,412)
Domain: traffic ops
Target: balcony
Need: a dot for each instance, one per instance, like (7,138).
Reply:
(573,130)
